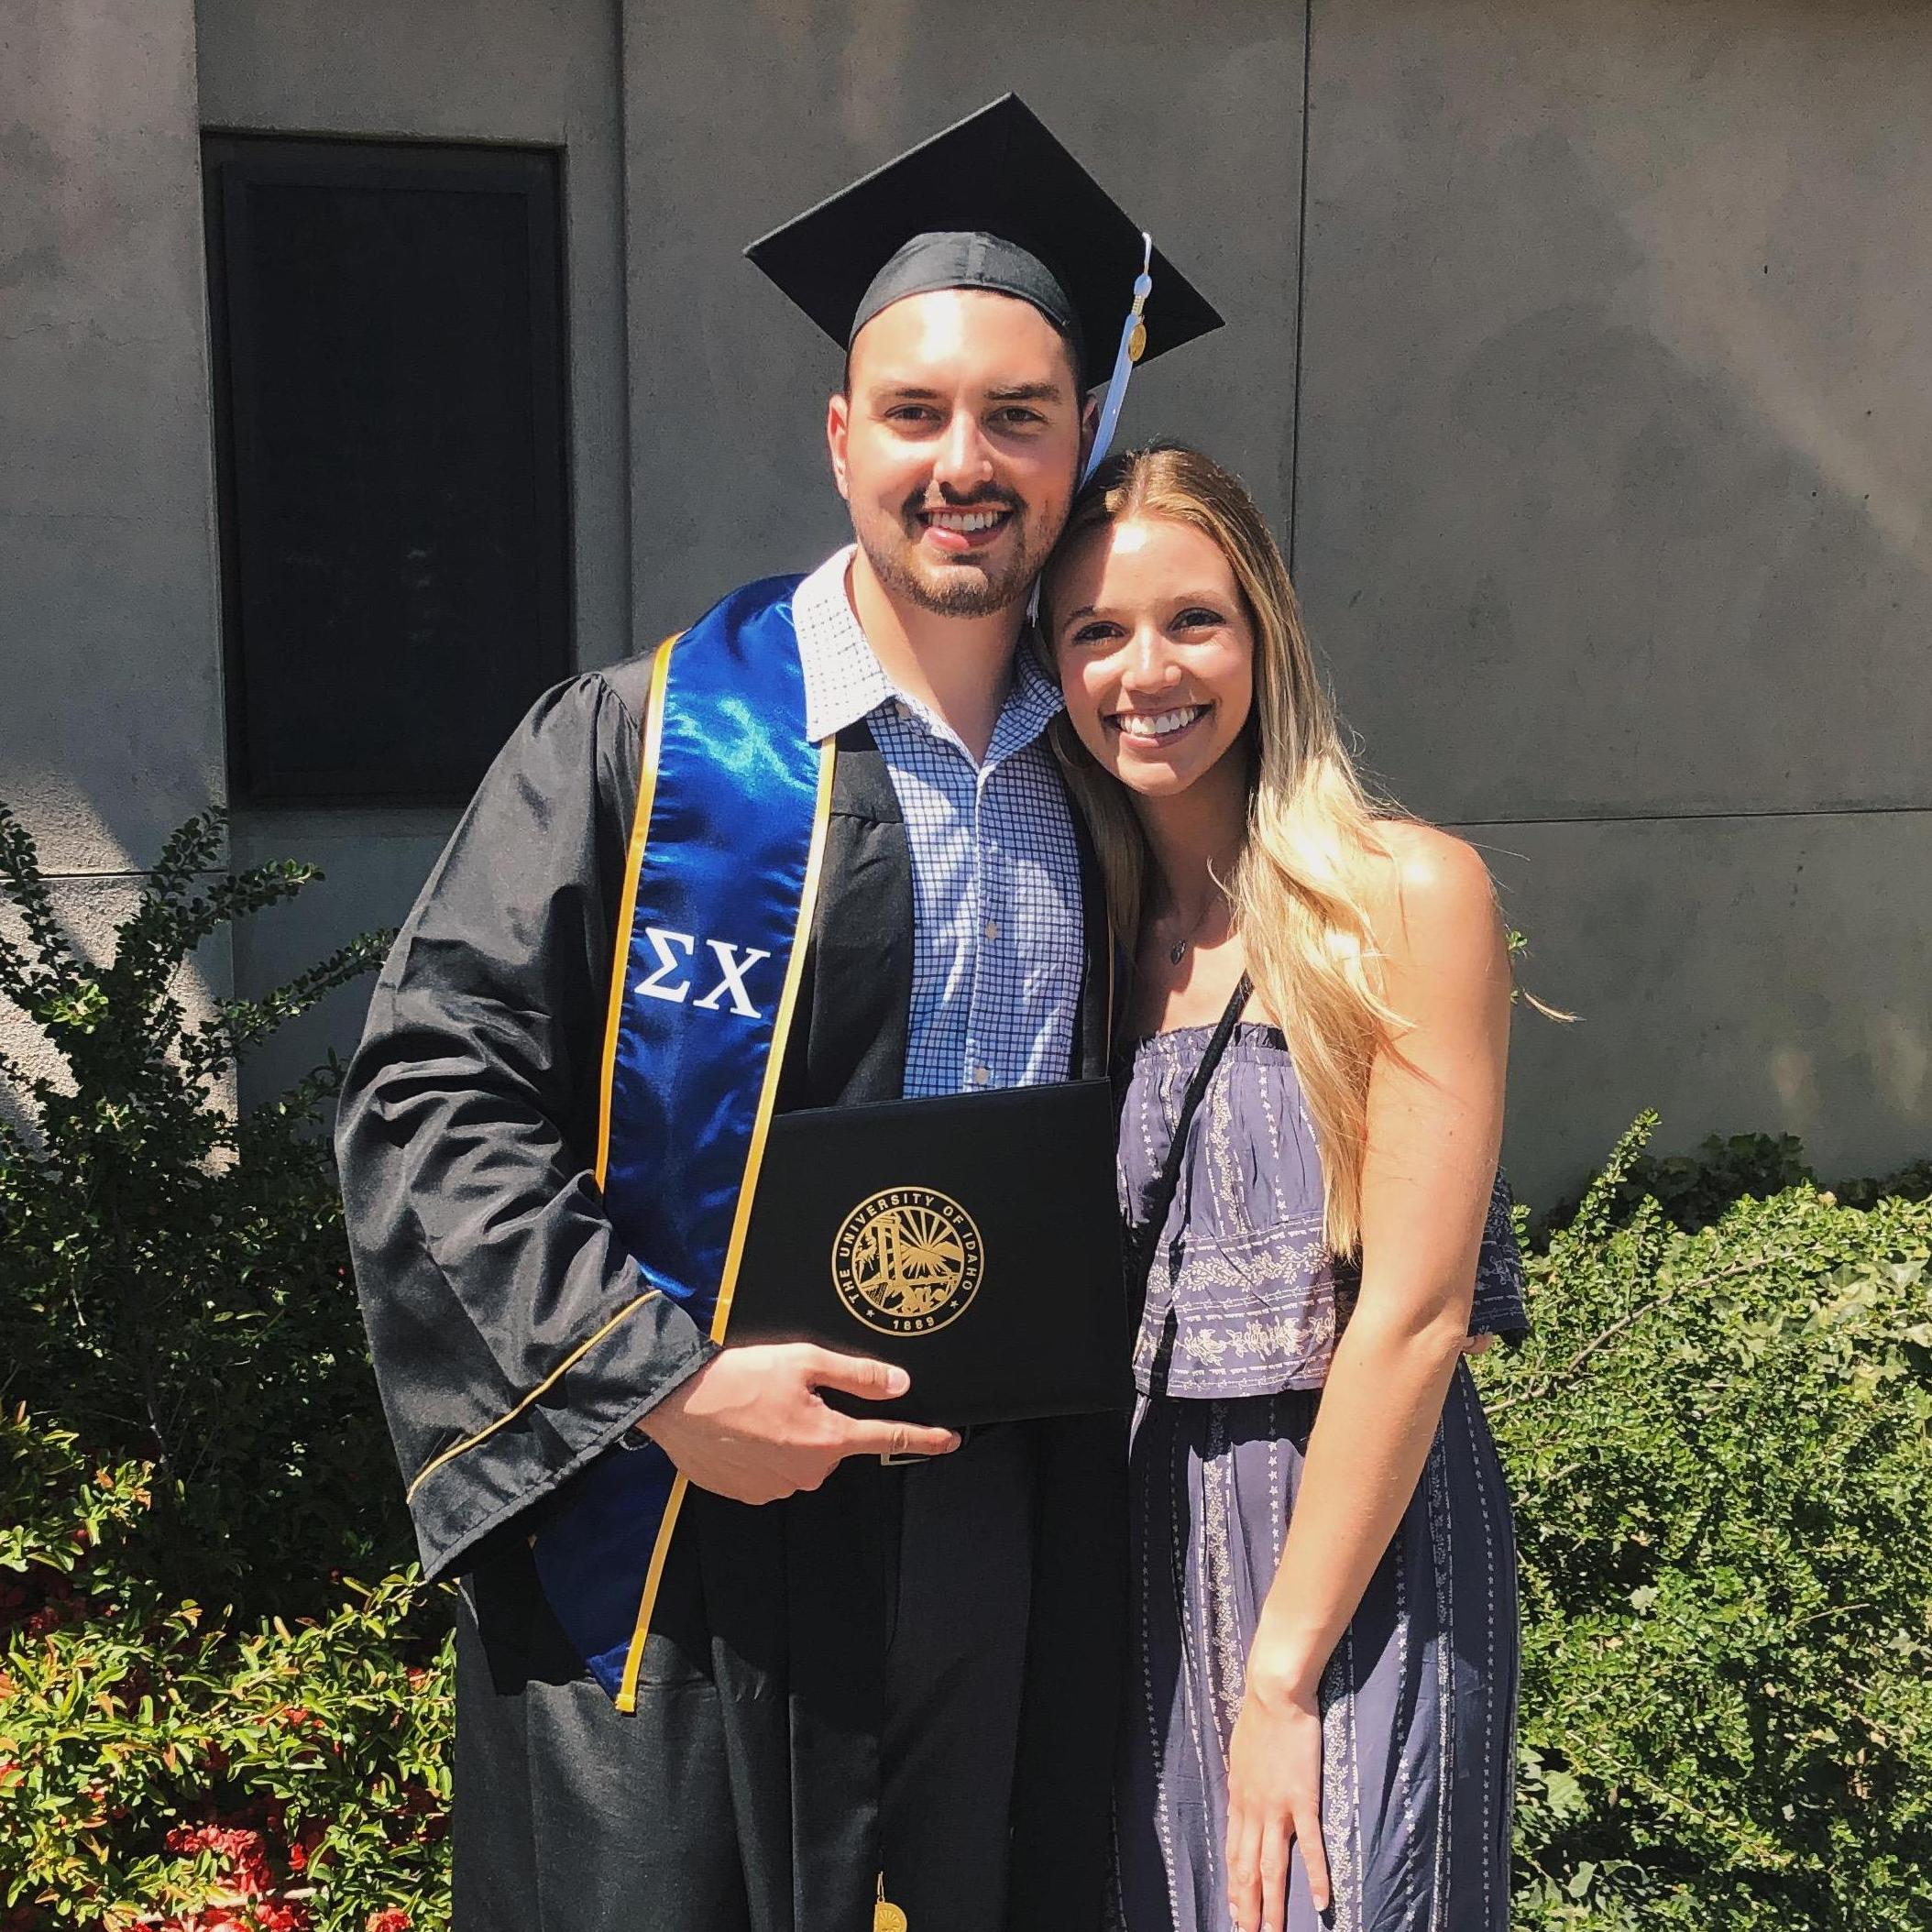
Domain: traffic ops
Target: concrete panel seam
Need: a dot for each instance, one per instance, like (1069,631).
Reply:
(1294,406)
(1827,811)
(78,878)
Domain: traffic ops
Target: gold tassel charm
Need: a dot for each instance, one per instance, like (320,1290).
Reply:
(886,1916)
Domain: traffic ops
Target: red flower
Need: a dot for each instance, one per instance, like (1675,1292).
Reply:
(245,1862)
(394,1920)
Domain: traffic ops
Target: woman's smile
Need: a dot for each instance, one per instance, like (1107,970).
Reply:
(1158,729)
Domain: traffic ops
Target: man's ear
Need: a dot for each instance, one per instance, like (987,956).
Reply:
(1089,427)
(837,426)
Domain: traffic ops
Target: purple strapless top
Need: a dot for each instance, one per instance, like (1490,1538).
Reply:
(1244,1297)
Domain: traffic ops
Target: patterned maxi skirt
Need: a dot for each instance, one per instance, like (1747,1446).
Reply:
(1418,1702)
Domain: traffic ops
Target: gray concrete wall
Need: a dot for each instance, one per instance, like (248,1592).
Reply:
(1608,479)
(739,117)
(542,71)
(110,698)
(1744,974)
(1616,454)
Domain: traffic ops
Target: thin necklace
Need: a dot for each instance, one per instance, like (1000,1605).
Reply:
(1179,950)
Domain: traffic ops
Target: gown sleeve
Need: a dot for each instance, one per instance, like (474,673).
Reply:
(512,1338)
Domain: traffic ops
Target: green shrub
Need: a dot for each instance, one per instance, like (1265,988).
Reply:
(1720,1446)
(161,1763)
(1692,1190)
(174,1283)
(204,1722)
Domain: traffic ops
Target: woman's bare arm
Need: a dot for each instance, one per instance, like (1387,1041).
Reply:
(1435,1105)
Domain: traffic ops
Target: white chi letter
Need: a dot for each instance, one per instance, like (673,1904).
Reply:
(733,966)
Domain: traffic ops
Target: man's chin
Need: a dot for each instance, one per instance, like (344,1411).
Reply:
(967,587)
(962,590)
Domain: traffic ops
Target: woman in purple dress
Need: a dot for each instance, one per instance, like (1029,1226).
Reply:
(1321,1710)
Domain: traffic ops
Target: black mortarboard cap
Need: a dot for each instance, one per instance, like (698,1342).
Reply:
(989,203)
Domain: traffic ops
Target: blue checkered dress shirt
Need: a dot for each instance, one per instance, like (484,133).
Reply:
(998,945)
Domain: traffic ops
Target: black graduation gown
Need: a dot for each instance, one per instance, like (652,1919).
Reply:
(746,1790)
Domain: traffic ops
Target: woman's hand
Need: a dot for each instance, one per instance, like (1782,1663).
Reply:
(1274,1796)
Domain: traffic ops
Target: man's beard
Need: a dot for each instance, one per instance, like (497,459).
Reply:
(965,590)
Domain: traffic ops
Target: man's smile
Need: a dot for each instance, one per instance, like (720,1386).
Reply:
(960,531)
(967,520)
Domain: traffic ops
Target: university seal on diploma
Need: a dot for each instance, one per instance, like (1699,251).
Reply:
(907,1260)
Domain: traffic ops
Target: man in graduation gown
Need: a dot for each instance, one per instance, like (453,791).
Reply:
(880,1664)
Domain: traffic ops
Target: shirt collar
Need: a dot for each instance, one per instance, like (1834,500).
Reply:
(844,680)
(843,676)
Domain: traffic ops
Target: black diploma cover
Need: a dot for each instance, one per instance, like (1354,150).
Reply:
(974,1240)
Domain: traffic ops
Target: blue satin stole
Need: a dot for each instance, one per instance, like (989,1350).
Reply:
(721,876)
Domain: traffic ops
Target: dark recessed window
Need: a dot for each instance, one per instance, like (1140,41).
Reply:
(390,402)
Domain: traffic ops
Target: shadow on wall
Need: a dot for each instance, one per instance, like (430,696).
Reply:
(1736,974)
(1610,441)
(1611,519)
(373,865)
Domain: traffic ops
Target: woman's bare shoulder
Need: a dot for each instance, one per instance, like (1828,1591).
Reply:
(1429,894)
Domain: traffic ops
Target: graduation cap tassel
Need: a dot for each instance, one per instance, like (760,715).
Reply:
(1133,340)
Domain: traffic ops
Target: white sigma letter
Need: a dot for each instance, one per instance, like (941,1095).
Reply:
(662,939)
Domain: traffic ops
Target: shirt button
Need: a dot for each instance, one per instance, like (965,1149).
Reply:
(993,929)
(981,1075)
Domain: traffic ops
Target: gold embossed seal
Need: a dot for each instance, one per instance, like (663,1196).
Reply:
(907,1260)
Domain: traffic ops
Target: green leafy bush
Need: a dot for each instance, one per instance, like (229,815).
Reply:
(175,1282)
(160,1765)
(204,1723)
(1719,1439)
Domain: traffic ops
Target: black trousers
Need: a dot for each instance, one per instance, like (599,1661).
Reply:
(833,1691)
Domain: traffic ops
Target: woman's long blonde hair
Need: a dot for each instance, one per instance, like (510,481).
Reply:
(1299,887)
